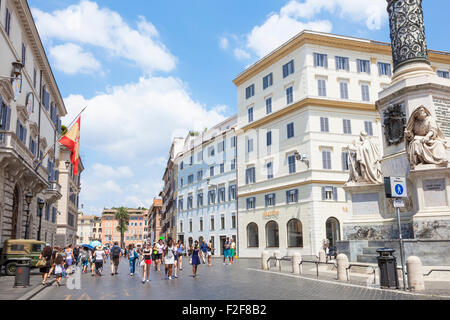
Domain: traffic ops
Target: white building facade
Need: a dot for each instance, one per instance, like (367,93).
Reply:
(298,110)
(30,110)
(207,186)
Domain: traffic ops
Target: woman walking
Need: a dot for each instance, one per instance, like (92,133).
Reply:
(180,250)
(132,255)
(69,258)
(147,256)
(84,259)
(169,258)
(209,253)
(45,270)
(195,258)
(59,269)
(99,260)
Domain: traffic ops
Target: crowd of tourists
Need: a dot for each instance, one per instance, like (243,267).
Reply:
(60,262)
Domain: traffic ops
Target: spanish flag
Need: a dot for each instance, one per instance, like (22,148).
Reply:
(72,141)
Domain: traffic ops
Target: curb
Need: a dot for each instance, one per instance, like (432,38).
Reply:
(30,294)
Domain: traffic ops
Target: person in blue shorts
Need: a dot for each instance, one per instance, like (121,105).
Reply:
(227,251)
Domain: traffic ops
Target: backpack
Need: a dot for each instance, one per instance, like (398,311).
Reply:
(116,252)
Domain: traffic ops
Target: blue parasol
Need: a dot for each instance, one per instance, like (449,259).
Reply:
(87,246)
(95,243)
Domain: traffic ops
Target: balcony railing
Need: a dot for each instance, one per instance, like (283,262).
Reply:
(54,186)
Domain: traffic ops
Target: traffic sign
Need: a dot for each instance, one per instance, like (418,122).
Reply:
(399,203)
(398,187)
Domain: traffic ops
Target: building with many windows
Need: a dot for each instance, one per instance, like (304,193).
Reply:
(31,107)
(155,220)
(137,227)
(68,204)
(206,186)
(85,227)
(298,110)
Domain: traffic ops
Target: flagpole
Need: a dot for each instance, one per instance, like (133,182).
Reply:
(68,127)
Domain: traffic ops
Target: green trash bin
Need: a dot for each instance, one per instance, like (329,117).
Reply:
(23,268)
(388,268)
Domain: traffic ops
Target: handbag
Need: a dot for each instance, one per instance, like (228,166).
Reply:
(41,263)
(142,263)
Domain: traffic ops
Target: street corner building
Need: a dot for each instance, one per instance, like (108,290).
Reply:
(31,108)
(206,180)
(302,110)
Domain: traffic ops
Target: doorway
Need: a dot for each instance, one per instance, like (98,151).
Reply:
(333,233)
(222,244)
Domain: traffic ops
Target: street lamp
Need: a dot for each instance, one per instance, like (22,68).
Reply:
(41,206)
(301,157)
(28,198)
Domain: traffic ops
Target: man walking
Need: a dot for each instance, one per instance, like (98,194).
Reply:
(227,251)
(76,254)
(204,250)
(116,253)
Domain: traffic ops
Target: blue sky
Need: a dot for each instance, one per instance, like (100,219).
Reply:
(156,69)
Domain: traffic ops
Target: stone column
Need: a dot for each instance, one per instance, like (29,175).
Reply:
(415,274)
(296,259)
(322,256)
(264,256)
(342,265)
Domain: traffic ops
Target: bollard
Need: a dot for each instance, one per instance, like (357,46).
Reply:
(322,256)
(277,256)
(342,265)
(415,274)
(296,259)
(264,256)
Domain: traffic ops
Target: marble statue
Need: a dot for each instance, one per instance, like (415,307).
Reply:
(364,161)
(425,143)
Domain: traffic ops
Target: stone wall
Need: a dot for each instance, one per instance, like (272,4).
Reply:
(376,232)
(432,229)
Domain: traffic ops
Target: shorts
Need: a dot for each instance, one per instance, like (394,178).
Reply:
(98,265)
(158,256)
(59,275)
(69,262)
(232,253)
(209,253)
(148,261)
(116,261)
(227,253)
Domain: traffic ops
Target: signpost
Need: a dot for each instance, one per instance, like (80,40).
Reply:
(395,187)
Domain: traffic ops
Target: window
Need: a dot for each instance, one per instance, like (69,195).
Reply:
(34,78)
(289,95)
(211,171)
(221,147)
(272,235)
(384,69)
(347,126)
(345,166)
(365,95)
(231,193)
(324,127)
(191,179)
(343,86)
(33,146)
(199,175)
(291,163)
(200,156)
(212,223)
(322,87)
(252,235)
(329,193)
(189,202)
(233,220)
(222,168)
(267,81)
(250,114)
(233,142)
(190,225)
(292,196)
(269,138)
(211,151)
(320,60)
(250,175)
(181,165)
(443,74)
(201,224)
(8,21)
(181,182)
(368,128)
(233,164)
(326,159)
(211,197)
(288,68)
(270,170)
(268,105)
(342,63)
(180,204)
(250,91)
(294,234)
(270,200)
(199,199)
(24,54)
(251,203)
(21,132)
(363,66)
(290,130)
(191,160)
(250,145)
(221,197)
(54,215)
(222,222)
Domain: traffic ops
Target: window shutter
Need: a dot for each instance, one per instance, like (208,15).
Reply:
(335,194)
(324,196)
(287,196)
(296,195)
(347,64)
(337,62)
(325,57)
(344,161)
(267,200)
(18,129)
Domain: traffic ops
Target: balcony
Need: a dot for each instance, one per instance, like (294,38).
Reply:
(53,192)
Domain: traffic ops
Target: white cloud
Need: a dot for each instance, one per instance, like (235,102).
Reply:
(106,171)
(71,59)
(224,43)
(241,54)
(111,185)
(87,24)
(132,120)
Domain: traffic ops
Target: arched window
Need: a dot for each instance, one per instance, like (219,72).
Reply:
(294,233)
(252,235)
(333,231)
(191,241)
(272,235)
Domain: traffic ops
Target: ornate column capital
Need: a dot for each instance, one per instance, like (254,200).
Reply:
(407,32)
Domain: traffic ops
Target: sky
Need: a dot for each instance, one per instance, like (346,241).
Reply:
(154,70)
